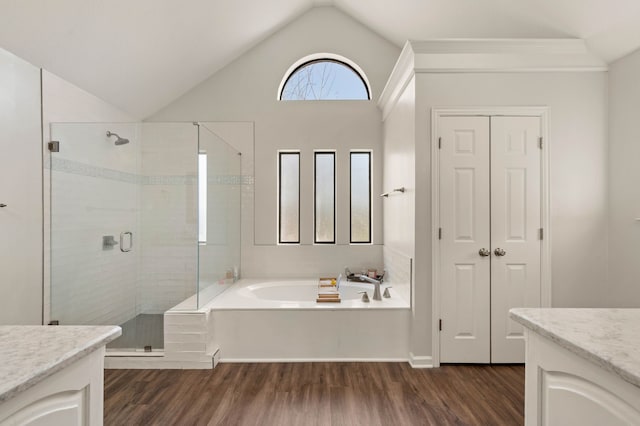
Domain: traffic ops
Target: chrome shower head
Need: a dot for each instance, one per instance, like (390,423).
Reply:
(119,140)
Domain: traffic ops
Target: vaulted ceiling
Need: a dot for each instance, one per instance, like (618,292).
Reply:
(140,55)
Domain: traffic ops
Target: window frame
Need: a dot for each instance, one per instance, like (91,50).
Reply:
(324,59)
(370,154)
(281,153)
(315,196)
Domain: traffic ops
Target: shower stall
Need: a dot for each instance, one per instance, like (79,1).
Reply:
(144,217)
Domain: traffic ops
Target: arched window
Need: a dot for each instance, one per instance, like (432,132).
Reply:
(324,77)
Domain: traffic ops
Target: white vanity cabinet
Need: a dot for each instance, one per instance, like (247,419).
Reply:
(53,375)
(582,366)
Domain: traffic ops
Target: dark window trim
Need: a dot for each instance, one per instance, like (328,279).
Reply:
(337,61)
(280,154)
(315,222)
(351,198)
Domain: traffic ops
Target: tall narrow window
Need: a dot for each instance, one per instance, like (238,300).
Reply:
(325,197)
(360,197)
(202,197)
(289,198)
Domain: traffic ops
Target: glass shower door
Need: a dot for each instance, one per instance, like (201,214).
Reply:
(94,247)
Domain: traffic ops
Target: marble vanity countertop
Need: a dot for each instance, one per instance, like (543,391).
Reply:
(30,354)
(609,338)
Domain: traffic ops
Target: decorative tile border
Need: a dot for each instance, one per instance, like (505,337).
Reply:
(77,168)
(169,180)
(82,169)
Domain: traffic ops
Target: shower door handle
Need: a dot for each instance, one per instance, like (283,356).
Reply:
(122,234)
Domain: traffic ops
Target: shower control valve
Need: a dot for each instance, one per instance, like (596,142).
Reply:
(108,241)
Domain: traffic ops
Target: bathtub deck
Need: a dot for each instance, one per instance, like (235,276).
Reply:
(317,394)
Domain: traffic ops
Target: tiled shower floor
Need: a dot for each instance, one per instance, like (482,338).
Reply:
(143,330)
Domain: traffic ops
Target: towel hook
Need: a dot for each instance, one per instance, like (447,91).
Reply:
(386,194)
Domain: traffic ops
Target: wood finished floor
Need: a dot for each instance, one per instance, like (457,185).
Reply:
(317,394)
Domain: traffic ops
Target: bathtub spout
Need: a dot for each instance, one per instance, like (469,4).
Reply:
(376,283)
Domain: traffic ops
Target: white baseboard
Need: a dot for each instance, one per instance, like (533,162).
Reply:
(153,363)
(420,361)
(282,360)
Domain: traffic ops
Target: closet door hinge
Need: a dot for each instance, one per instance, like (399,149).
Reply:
(541,233)
(540,142)
(440,325)
(439,233)
(54,146)
(439,143)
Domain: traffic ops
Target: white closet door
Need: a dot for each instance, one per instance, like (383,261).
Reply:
(465,221)
(515,230)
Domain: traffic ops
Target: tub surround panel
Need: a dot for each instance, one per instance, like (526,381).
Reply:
(30,354)
(398,269)
(266,261)
(311,335)
(610,338)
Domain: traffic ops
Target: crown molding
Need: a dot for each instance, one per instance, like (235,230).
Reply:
(486,56)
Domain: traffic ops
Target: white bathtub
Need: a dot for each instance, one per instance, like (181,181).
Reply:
(279,320)
(299,294)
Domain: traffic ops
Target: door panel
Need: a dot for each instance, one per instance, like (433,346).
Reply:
(465,221)
(515,222)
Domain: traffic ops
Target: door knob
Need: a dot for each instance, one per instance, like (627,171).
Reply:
(499,252)
(484,252)
(3,205)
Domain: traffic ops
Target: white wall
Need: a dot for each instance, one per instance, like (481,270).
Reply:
(246,90)
(624,176)
(63,102)
(21,191)
(399,148)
